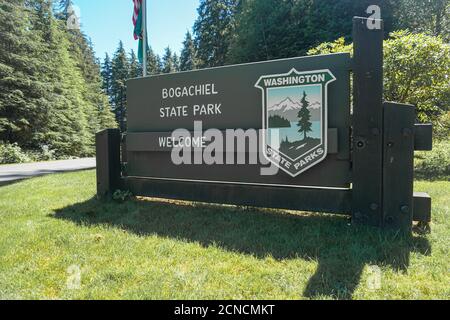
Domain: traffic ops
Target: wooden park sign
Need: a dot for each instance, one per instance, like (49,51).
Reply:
(276,134)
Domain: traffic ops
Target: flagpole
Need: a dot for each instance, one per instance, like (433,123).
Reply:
(144,35)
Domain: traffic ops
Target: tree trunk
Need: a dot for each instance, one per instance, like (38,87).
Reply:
(440,11)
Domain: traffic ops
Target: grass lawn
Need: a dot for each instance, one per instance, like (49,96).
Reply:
(53,225)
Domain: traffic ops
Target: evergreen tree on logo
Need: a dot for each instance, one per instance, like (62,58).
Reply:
(304,116)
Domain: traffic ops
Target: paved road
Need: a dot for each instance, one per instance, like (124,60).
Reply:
(11,173)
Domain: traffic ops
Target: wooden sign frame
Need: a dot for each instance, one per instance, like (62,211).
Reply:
(382,137)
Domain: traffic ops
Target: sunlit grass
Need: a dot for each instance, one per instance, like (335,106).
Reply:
(149,249)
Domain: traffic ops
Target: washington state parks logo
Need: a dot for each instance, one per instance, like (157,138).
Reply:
(295,118)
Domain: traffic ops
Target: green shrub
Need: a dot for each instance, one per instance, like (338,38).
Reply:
(441,128)
(416,71)
(46,154)
(434,164)
(332,47)
(12,153)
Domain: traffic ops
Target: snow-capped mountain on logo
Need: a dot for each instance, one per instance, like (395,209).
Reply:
(288,109)
(286,105)
(315,105)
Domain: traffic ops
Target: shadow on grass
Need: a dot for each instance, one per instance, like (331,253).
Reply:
(342,251)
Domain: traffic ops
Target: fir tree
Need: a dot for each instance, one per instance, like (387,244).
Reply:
(159,63)
(50,84)
(83,54)
(135,67)
(176,62)
(153,63)
(431,17)
(63,7)
(69,128)
(304,116)
(106,73)
(188,58)
(274,29)
(214,30)
(168,62)
(120,72)
(23,99)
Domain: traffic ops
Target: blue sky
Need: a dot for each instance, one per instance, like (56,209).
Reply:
(107,22)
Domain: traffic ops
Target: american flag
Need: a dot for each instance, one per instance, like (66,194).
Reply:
(137,8)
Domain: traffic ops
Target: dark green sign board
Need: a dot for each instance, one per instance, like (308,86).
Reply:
(274,134)
(239,97)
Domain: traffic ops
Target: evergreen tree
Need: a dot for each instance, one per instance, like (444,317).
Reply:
(62,9)
(106,73)
(432,17)
(176,62)
(120,72)
(304,116)
(96,109)
(24,98)
(188,58)
(168,64)
(64,5)
(67,130)
(83,54)
(135,67)
(214,30)
(153,62)
(274,29)
(50,85)
(159,64)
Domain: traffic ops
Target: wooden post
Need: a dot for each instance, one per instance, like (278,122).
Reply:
(398,166)
(108,162)
(367,123)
